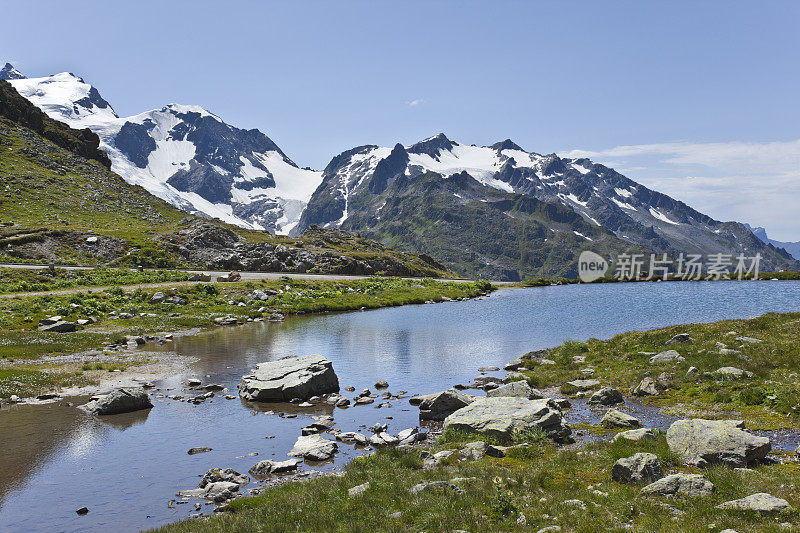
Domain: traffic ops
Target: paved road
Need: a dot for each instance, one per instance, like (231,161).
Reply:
(246,276)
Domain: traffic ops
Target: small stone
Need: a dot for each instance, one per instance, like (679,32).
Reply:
(198,449)
(82,511)
(358,490)
(679,338)
(382,385)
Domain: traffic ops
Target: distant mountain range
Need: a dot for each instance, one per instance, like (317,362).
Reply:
(495,211)
(792,247)
(501,211)
(185,155)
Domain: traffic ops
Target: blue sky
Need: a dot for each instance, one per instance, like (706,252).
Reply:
(696,99)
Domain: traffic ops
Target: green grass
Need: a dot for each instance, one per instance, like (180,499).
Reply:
(768,400)
(534,481)
(21,344)
(14,280)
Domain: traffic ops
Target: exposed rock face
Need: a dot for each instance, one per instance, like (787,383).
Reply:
(289,378)
(119,401)
(61,326)
(638,467)
(501,416)
(760,501)
(440,405)
(314,448)
(519,389)
(706,442)
(680,484)
(618,419)
(606,396)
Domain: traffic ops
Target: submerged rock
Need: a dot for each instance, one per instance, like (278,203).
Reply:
(502,416)
(289,378)
(119,401)
(706,442)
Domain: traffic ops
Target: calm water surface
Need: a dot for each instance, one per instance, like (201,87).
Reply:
(55,459)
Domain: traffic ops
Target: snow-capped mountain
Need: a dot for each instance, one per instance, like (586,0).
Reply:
(183,154)
(8,72)
(360,186)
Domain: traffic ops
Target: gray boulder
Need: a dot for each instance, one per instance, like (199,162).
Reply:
(606,396)
(579,385)
(638,467)
(761,502)
(262,469)
(502,416)
(618,419)
(731,372)
(646,387)
(358,490)
(680,484)
(706,442)
(670,356)
(229,475)
(519,389)
(383,439)
(119,401)
(440,405)
(514,364)
(289,378)
(678,339)
(314,448)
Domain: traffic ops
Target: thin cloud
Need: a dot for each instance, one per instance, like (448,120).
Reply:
(755,182)
(414,103)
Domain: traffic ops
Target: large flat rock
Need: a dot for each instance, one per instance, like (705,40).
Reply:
(289,378)
(503,415)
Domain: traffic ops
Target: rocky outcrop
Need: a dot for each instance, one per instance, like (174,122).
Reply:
(706,442)
(289,378)
(680,484)
(119,401)
(669,356)
(639,467)
(501,417)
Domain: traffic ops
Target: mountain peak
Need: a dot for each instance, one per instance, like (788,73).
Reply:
(432,146)
(508,144)
(10,73)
